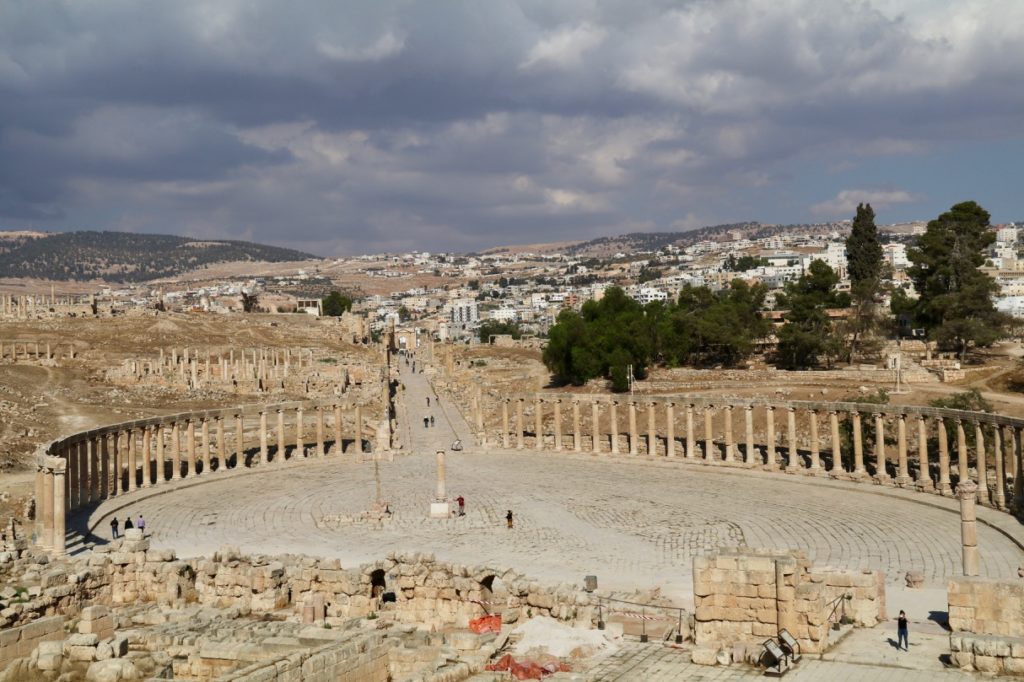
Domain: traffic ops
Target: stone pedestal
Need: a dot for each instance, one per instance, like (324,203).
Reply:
(968,492)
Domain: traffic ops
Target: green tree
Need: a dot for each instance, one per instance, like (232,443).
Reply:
(955,301)
(403,314)
(648,274)
(808,335)
(494,328)
(864,265)
(336,303)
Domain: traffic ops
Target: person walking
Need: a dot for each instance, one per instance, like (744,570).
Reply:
(462,505)
(431,420)
(426,422)
(508,518)
(128,525)
(902,632)
(113,529)
(428,401)
(141,524)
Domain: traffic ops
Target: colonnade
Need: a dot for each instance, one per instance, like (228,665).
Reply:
(34,350)
(923,448)
(96,465)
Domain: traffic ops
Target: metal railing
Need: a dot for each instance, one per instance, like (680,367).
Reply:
(642,616)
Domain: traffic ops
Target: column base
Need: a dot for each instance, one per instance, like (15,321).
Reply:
(793,469)
(882,479)
(904,481)
(817,471)
(859,474)
(945,489)
(440,510)
(925,485)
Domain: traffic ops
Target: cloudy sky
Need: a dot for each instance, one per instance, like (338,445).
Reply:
(347,127)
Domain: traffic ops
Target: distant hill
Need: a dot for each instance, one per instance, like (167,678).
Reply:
(122,256)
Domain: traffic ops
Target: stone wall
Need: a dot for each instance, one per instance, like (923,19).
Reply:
(20,641)
(987,622)
(365,660)
(744,596)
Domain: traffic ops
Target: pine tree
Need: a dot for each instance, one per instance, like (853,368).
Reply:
(864,266)
(955,300)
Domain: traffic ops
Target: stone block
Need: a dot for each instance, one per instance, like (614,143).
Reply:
(987,664)
(704,655)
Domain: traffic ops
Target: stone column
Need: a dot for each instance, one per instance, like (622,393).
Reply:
(944,485)
(670,429)
(793,464)
(132,470)
(998,494)
(690,444)
(924,474)
(338,449)
(204,430)
(1018,479)
(979,449)
(881,474)
(59,511)
(264,449)
(147,445)
(815,447)
(961,447)
(769,416)
(902,468)
(300,447)
(159,454)
(652,429)
(538,424)
(104,468)
(614,419)
(504,424)
(175,451)
(520,425)
(595,418)
(319,431)
(709,434)
(729,446)
(967,491)
(558,425)
(359,428)
(94,469)
(750,456)
(577,437)
(634,436)
(46,505)
(442,493)
(480,414)
(72,476)
(222,450)
(190,443)
(280,454)
(83,471)
(837,445)
(858,447)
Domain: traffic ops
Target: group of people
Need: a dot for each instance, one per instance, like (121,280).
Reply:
(115,526)
(462,510)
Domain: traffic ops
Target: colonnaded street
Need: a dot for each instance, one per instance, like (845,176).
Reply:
(633,524)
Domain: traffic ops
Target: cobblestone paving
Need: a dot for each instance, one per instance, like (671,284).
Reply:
(632,524)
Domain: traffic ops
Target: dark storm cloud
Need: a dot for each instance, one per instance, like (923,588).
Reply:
(359,126)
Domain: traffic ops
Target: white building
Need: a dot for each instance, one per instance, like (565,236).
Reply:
(895,254)
(645,295)
(504,315)
(464,311)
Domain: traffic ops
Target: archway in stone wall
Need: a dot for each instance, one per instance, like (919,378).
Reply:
(493,594)
(379,586)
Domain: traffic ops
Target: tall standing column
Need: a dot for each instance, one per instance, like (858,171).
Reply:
(1018,479)
(520,425)
(359,429)
(815,446)
(858,447)
(204,431)
(614,419)
(558,425)
(504,424)
(480,415)
(337,432)
(577,437)
(709,434)
(190,435)
(967,491)
(837,445)
(793,464)
(924,473)
(961,448)
(159,454)
(652,429)
(147,444)
(634,436)
(59,510)
(116,464)
(902,468)
(998,495)
(769,418)
(441,492)
(881,474)
(175,451)
(71,477)
(264,448)
(104,466)
(46,505)
(83,471)
(222,450)
(538,424)
(132,470)
(690,440)
(319,431)
(751,456)
(670,429)
(944,485)
(279,455)
(595,431)
(979,449)
(300,447)
(728,444)
(94,469)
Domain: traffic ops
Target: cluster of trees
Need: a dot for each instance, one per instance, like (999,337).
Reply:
(336,303)
(495,328)
(820,326)
(610,336)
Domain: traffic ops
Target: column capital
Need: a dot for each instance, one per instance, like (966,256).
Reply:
(966,490)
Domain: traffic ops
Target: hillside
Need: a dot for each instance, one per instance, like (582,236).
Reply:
(123,256)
